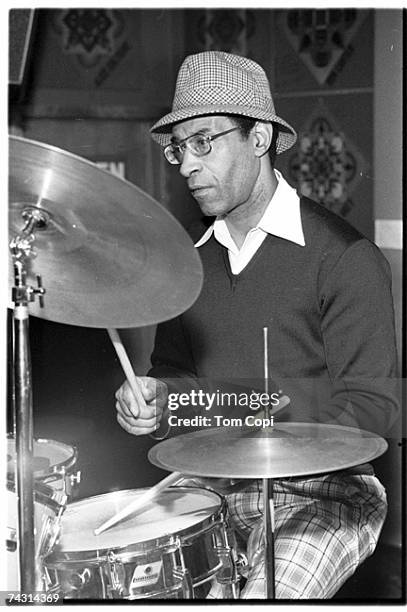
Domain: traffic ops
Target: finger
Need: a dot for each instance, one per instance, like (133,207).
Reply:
(149,413)
(153,389)
(126,390)
(149,387)
(125,409)
(138,422)
(135,429)
(128,401)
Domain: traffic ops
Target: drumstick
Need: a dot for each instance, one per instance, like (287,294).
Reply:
(266,367)
(127,367)
(139,503)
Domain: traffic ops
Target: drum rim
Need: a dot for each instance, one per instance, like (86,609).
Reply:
(56,467)
(67,463)
(43,494)
(76,556)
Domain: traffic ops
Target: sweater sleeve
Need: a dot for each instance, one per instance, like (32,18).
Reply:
(357,325)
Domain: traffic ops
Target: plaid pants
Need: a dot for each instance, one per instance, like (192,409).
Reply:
(324,528)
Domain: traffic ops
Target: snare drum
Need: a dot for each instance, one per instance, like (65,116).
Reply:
(48,507)
(53,464)
(177,543)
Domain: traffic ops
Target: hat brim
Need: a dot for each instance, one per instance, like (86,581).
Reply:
(162,130)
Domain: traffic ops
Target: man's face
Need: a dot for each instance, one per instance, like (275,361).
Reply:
(224,180)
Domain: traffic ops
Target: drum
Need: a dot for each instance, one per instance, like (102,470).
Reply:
(48,507)
(179,542)
(54,465)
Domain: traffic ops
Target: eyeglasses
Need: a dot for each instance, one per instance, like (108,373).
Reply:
(198,144)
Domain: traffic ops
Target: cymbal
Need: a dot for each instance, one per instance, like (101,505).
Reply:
(109,254)
(286,449)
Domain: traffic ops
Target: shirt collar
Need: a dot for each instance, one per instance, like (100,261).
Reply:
(281,218)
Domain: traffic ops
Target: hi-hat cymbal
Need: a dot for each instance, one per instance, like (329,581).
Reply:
(286,449)
(109,255)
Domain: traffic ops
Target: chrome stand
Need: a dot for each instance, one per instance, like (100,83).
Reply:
(268,518)
(268,500)
(21,250)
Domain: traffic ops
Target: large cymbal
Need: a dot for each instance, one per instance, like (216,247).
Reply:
(286,449)
(110,256)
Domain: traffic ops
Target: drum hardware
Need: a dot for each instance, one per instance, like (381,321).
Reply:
(268,522)
(268,501)
(80,579)
(70,482)
(242,563)
(116,574)
(11,539)
(182,573)
(21,248)
(228,577)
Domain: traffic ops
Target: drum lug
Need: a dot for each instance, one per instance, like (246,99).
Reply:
(78,580)
(53,589)
(75,479)
(242,564)
(116,574)
(11,540)
(228,577)
(183,574)
(228,572)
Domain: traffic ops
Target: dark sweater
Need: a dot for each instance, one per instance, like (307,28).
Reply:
(328,308)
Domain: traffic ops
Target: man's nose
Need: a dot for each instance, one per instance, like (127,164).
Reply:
(190,164)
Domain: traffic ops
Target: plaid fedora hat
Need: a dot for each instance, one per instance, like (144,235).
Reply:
(215,83)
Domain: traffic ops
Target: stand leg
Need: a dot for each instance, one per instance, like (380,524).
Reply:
(268,518)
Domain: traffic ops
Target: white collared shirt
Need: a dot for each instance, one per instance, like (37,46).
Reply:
(282,218)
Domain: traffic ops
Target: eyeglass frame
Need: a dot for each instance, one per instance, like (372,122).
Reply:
(183,144)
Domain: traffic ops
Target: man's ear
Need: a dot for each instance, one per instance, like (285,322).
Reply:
(263,134)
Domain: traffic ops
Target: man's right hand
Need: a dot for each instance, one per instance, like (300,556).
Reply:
(141,418)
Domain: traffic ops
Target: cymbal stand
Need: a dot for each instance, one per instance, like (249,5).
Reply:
(268,525)
(268,501)
(22,250)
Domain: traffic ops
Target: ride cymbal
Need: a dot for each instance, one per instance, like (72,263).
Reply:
(108,254)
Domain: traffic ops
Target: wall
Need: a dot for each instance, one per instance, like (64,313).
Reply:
(388,199)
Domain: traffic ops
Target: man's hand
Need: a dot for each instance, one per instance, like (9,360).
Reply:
(140,419)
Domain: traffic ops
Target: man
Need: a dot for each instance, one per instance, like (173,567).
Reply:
(274,260)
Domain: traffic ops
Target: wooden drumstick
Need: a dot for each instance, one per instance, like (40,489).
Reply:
(266,368)
(141,502)
(127,367)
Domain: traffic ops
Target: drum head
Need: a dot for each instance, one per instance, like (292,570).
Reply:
(49,456)
(174,511)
